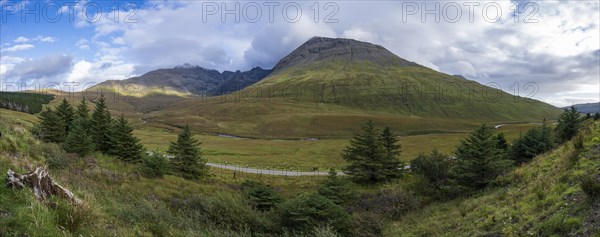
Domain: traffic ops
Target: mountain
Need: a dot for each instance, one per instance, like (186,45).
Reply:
(189,80)
(328,87)
(320,49)
(367,76)
(591,108)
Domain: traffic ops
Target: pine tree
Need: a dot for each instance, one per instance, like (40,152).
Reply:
(478,160)
(588,116)
(101,125)
(501,144)
(79,140)
(126,146)
(568,124)
(154,165)
(51,127)
(391,163)
(547,136)
(82,112)
(262,197)
(365,154)
(66,114)
(596,116)
(187,158)
(536,140)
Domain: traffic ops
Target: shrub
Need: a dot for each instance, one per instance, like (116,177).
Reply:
(389,203)
(367,224)
(435,167)
(224,211)
(578,142)
(154,165)
(590,186)
(325,231)
(560,225)
(262,197)
(56,158)
(307,211)
(71,217)
(337,189)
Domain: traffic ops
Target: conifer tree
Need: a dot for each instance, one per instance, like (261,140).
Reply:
(51,127)
(502,144)
(547,137)
(187,158)
(596,116)
(588,116)
(568,124)
(126,146)
(66,114)
(262,197)
(82,112)
(101,125)
(391,163)
(79,140)
(371,157)
(536,140)
(478,160)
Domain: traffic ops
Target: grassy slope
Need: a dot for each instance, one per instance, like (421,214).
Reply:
(117,203)
(543,198)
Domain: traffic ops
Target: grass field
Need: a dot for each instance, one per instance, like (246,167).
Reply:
(303,154)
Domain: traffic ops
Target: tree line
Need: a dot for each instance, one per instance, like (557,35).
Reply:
(24,102)
(478,159)
(83,133)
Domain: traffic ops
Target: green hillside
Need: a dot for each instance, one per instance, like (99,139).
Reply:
(403,90)
(542,198)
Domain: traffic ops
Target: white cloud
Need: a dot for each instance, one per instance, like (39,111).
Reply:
(18,47)
(360,34)
(83,44)
(46,39)
(21,39)
(85,72)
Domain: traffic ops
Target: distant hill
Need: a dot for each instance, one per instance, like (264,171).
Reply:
(591,108)
(191,80)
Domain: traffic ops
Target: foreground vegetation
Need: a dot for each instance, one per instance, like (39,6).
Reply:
(554,195)
(122,198)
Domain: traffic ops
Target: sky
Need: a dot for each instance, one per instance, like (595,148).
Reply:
(545,50)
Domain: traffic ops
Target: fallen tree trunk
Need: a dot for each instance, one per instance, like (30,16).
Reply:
(43,186)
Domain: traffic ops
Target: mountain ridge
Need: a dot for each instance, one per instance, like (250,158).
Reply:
(193,80)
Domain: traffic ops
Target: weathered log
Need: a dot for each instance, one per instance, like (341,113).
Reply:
(43,186)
